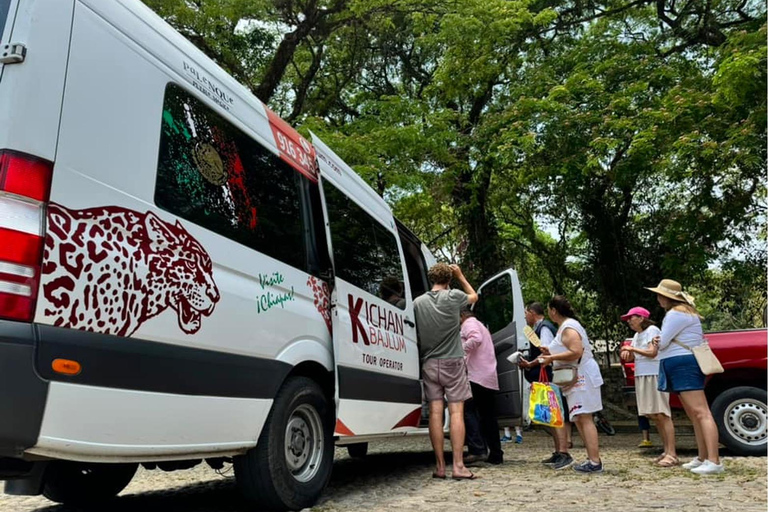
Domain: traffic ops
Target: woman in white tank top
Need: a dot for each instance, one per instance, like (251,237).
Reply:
(571,347)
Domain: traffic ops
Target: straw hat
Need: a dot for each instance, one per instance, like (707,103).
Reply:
(672,290)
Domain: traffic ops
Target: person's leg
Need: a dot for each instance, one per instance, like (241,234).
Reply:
(472,422)
(696,403)
(561,438)
(701,446)
(456,410)
(667,431)
(588,433)
(436,434)
(486,405)
(645,428)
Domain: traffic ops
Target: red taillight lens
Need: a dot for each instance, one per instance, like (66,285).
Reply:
(25,185)
(25,175)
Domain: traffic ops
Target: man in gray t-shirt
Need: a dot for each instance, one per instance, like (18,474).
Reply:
(443,370)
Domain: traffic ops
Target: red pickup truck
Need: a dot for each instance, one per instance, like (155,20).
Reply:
(737,396)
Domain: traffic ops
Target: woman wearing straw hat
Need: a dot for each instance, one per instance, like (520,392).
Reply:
(651,402)
(680,373)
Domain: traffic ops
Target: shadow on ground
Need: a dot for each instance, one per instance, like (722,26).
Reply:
(222,495)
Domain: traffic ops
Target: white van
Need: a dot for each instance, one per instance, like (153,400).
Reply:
(184,277)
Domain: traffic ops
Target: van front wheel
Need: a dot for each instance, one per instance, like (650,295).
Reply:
(291,464)
(85,484)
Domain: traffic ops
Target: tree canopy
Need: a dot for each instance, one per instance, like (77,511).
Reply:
(596,146)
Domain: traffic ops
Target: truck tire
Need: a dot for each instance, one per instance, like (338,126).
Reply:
(357,450)
(291,464)
(741,416)
(85,484)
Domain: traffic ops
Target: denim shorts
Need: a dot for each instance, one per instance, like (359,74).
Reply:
(680,373)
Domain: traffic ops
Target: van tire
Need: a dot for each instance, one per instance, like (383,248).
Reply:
(357,450)
(279,476)
(84,484)
(740,414)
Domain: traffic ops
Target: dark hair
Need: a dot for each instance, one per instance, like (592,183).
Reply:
(646,323)
(560,304)
(535,307)
(466,312)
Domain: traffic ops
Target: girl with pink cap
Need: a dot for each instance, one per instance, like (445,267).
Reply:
(651,402)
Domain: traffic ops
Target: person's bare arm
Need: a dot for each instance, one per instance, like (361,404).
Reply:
(459,275)
(647,352)
(572,341)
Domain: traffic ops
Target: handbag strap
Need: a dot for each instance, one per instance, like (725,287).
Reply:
(543,377)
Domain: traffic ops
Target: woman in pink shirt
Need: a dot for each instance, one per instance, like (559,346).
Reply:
(480,411)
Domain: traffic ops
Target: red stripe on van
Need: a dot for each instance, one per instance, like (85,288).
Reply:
(294,149)
(342,429)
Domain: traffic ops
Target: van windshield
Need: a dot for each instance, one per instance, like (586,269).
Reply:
(5,6)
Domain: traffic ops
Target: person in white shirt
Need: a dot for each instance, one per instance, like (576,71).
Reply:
(571,347)
(679,372)
(546,331)
(651,402)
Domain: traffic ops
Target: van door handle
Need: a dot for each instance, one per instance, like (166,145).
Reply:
(409,323)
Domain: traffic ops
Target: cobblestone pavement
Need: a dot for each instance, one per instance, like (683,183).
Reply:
(396,476)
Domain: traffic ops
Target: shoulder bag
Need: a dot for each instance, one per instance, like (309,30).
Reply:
(708,362)
(566,375)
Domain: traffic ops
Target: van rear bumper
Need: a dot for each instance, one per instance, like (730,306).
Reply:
(22,391)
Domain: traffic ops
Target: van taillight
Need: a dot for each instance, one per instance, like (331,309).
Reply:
(25,186)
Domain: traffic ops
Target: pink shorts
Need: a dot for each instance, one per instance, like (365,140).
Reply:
(446,377)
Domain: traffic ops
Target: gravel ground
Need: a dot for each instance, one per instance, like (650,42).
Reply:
(396,476)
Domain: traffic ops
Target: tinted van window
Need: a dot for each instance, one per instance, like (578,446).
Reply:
(365,252)
(213,174)
(496,305)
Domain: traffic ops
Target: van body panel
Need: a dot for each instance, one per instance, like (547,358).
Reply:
(89,423)
(30,92)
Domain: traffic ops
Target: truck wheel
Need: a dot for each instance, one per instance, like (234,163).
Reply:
(357,450)
(85,484)
(291,464)
(741,416)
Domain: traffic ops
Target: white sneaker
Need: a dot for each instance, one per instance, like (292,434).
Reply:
(708,468)
(696,462)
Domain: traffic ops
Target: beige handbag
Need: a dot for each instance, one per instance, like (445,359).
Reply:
(565,376)
(708,362)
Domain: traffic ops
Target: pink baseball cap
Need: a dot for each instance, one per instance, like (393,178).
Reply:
(636,311)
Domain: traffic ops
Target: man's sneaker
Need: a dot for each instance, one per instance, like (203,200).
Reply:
(505,439)
(588,467)
(554,458)
(564,461)
(708,468)
(518,439)
(696,462)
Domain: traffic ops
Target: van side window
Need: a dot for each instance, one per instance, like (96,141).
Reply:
(414,265)
(496,306)
(214,175)
(365,252)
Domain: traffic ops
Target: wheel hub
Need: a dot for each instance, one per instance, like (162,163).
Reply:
(304,442)
(746,420)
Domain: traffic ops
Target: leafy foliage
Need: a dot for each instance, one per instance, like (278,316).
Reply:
(597,147)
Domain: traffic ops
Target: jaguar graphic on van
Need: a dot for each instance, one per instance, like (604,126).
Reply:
(110,269)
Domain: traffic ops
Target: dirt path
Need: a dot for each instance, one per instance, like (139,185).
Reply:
(396,476)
